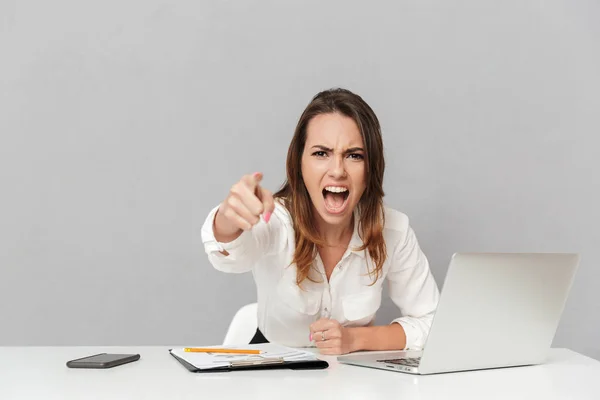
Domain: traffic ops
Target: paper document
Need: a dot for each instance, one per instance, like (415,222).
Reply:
(268,351)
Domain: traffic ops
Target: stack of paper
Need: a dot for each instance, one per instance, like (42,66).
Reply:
(268,351)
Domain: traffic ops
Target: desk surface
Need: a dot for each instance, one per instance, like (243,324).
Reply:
(40,373)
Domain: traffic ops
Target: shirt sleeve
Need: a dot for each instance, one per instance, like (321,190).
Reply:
(243,252)
(413,289)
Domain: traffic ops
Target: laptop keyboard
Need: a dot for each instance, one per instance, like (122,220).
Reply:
(409,362)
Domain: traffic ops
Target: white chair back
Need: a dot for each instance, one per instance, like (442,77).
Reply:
(243,326)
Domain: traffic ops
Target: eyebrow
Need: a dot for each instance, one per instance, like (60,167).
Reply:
(348,151)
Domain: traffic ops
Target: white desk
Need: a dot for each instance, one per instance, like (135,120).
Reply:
(40,373)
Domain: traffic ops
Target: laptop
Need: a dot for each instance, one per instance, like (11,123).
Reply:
(495,310)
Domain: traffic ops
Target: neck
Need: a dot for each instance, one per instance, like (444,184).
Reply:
(335,235)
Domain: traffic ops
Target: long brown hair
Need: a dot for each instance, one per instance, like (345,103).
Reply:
(370,206)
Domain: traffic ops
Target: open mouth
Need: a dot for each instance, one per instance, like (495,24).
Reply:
(335,198)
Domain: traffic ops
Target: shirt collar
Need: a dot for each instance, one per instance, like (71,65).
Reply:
(356,241)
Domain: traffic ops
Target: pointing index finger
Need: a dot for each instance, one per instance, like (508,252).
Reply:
(253,181)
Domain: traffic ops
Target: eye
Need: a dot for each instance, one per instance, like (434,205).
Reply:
(356,156)
(319,154)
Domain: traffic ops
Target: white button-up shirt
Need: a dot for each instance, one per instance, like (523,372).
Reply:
(285,311)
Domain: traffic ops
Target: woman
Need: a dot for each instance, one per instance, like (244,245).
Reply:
(325,242)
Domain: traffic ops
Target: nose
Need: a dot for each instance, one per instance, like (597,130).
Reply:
(337,168)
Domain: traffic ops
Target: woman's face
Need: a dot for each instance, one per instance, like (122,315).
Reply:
(333,166)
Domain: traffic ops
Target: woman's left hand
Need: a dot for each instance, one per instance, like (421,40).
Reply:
(331,337)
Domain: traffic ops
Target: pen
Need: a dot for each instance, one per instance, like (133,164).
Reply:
(209,350)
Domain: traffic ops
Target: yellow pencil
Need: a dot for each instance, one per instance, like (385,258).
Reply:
(209,350)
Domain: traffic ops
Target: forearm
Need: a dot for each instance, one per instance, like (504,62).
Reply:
(388,337)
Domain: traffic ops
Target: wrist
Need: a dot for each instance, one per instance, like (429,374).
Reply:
(357,340)
(221,229)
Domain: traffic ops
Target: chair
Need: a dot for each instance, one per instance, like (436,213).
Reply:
(243,326)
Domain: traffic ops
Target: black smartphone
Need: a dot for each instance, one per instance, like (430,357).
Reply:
(103,360)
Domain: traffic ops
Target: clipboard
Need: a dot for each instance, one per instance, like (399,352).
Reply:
(266,363)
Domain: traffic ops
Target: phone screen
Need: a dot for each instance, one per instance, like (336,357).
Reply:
(102,358)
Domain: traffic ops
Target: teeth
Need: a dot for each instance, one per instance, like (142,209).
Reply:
(336,189)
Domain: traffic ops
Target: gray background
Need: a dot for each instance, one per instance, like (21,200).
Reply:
(123,122)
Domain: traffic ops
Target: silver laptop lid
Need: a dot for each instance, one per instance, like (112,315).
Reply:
(498,310)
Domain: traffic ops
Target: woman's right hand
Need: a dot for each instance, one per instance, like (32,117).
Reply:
(242,208)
